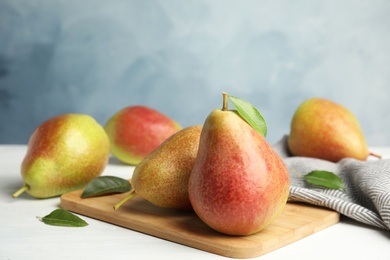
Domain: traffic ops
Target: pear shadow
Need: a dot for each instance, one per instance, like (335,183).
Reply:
(11,188)
(194,225)
(115,161)
(182,220)
(141,206)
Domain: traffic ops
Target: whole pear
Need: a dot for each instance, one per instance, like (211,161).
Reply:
(162,176)
(323,129)
(135,131)
(238,184)
(64,153)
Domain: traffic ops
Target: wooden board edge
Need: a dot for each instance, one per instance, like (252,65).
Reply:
(305,231)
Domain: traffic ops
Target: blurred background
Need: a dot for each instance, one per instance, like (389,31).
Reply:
(96,57)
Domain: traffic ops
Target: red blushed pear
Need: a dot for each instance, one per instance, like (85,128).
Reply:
(323,129)
(64,153)
(238,184)
(135,131)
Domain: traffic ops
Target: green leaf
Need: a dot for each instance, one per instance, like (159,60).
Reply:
(324,179)
(250,114)
(62,217)
(104,185)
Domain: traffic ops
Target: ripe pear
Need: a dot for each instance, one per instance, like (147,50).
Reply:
(135,131)
(238,184)
(162,176)
(64,154)
(323,129)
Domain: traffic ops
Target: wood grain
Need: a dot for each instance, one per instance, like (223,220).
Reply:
(184,227)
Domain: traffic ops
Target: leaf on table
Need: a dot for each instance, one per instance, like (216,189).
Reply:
(104,185)
(250,114)
(62,217)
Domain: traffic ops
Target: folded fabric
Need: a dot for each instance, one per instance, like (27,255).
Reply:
(367,194)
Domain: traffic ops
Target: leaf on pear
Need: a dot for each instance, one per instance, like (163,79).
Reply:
(324,179)
(250,114)
(104,185)
(64,218)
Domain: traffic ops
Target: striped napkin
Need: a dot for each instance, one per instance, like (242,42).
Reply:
(367,194)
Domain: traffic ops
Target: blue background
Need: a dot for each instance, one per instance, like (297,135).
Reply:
(96,57)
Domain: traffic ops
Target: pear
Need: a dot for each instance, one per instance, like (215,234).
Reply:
(238,184)
(323,129)
(64,154)
(135,131)
(162,176)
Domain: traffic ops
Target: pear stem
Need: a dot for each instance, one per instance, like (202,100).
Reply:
(122,201)
(375,155)
(20,191)
(225,101)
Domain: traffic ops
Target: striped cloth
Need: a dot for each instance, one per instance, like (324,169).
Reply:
(367,195)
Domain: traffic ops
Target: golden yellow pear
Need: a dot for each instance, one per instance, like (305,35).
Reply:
(323,129)
(162,177)
(64,153)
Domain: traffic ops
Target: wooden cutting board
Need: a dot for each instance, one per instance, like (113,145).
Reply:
(296,222)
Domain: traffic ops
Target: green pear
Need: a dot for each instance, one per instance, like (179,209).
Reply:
(323,129)
(64,153)
(238,184)
(162,176)
(135,131)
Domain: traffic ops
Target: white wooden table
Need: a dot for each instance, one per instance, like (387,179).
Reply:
(23,236)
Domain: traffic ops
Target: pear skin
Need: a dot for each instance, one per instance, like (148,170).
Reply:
(135,131)
(64,154)
(238,184)
(323,129)
(162,177)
